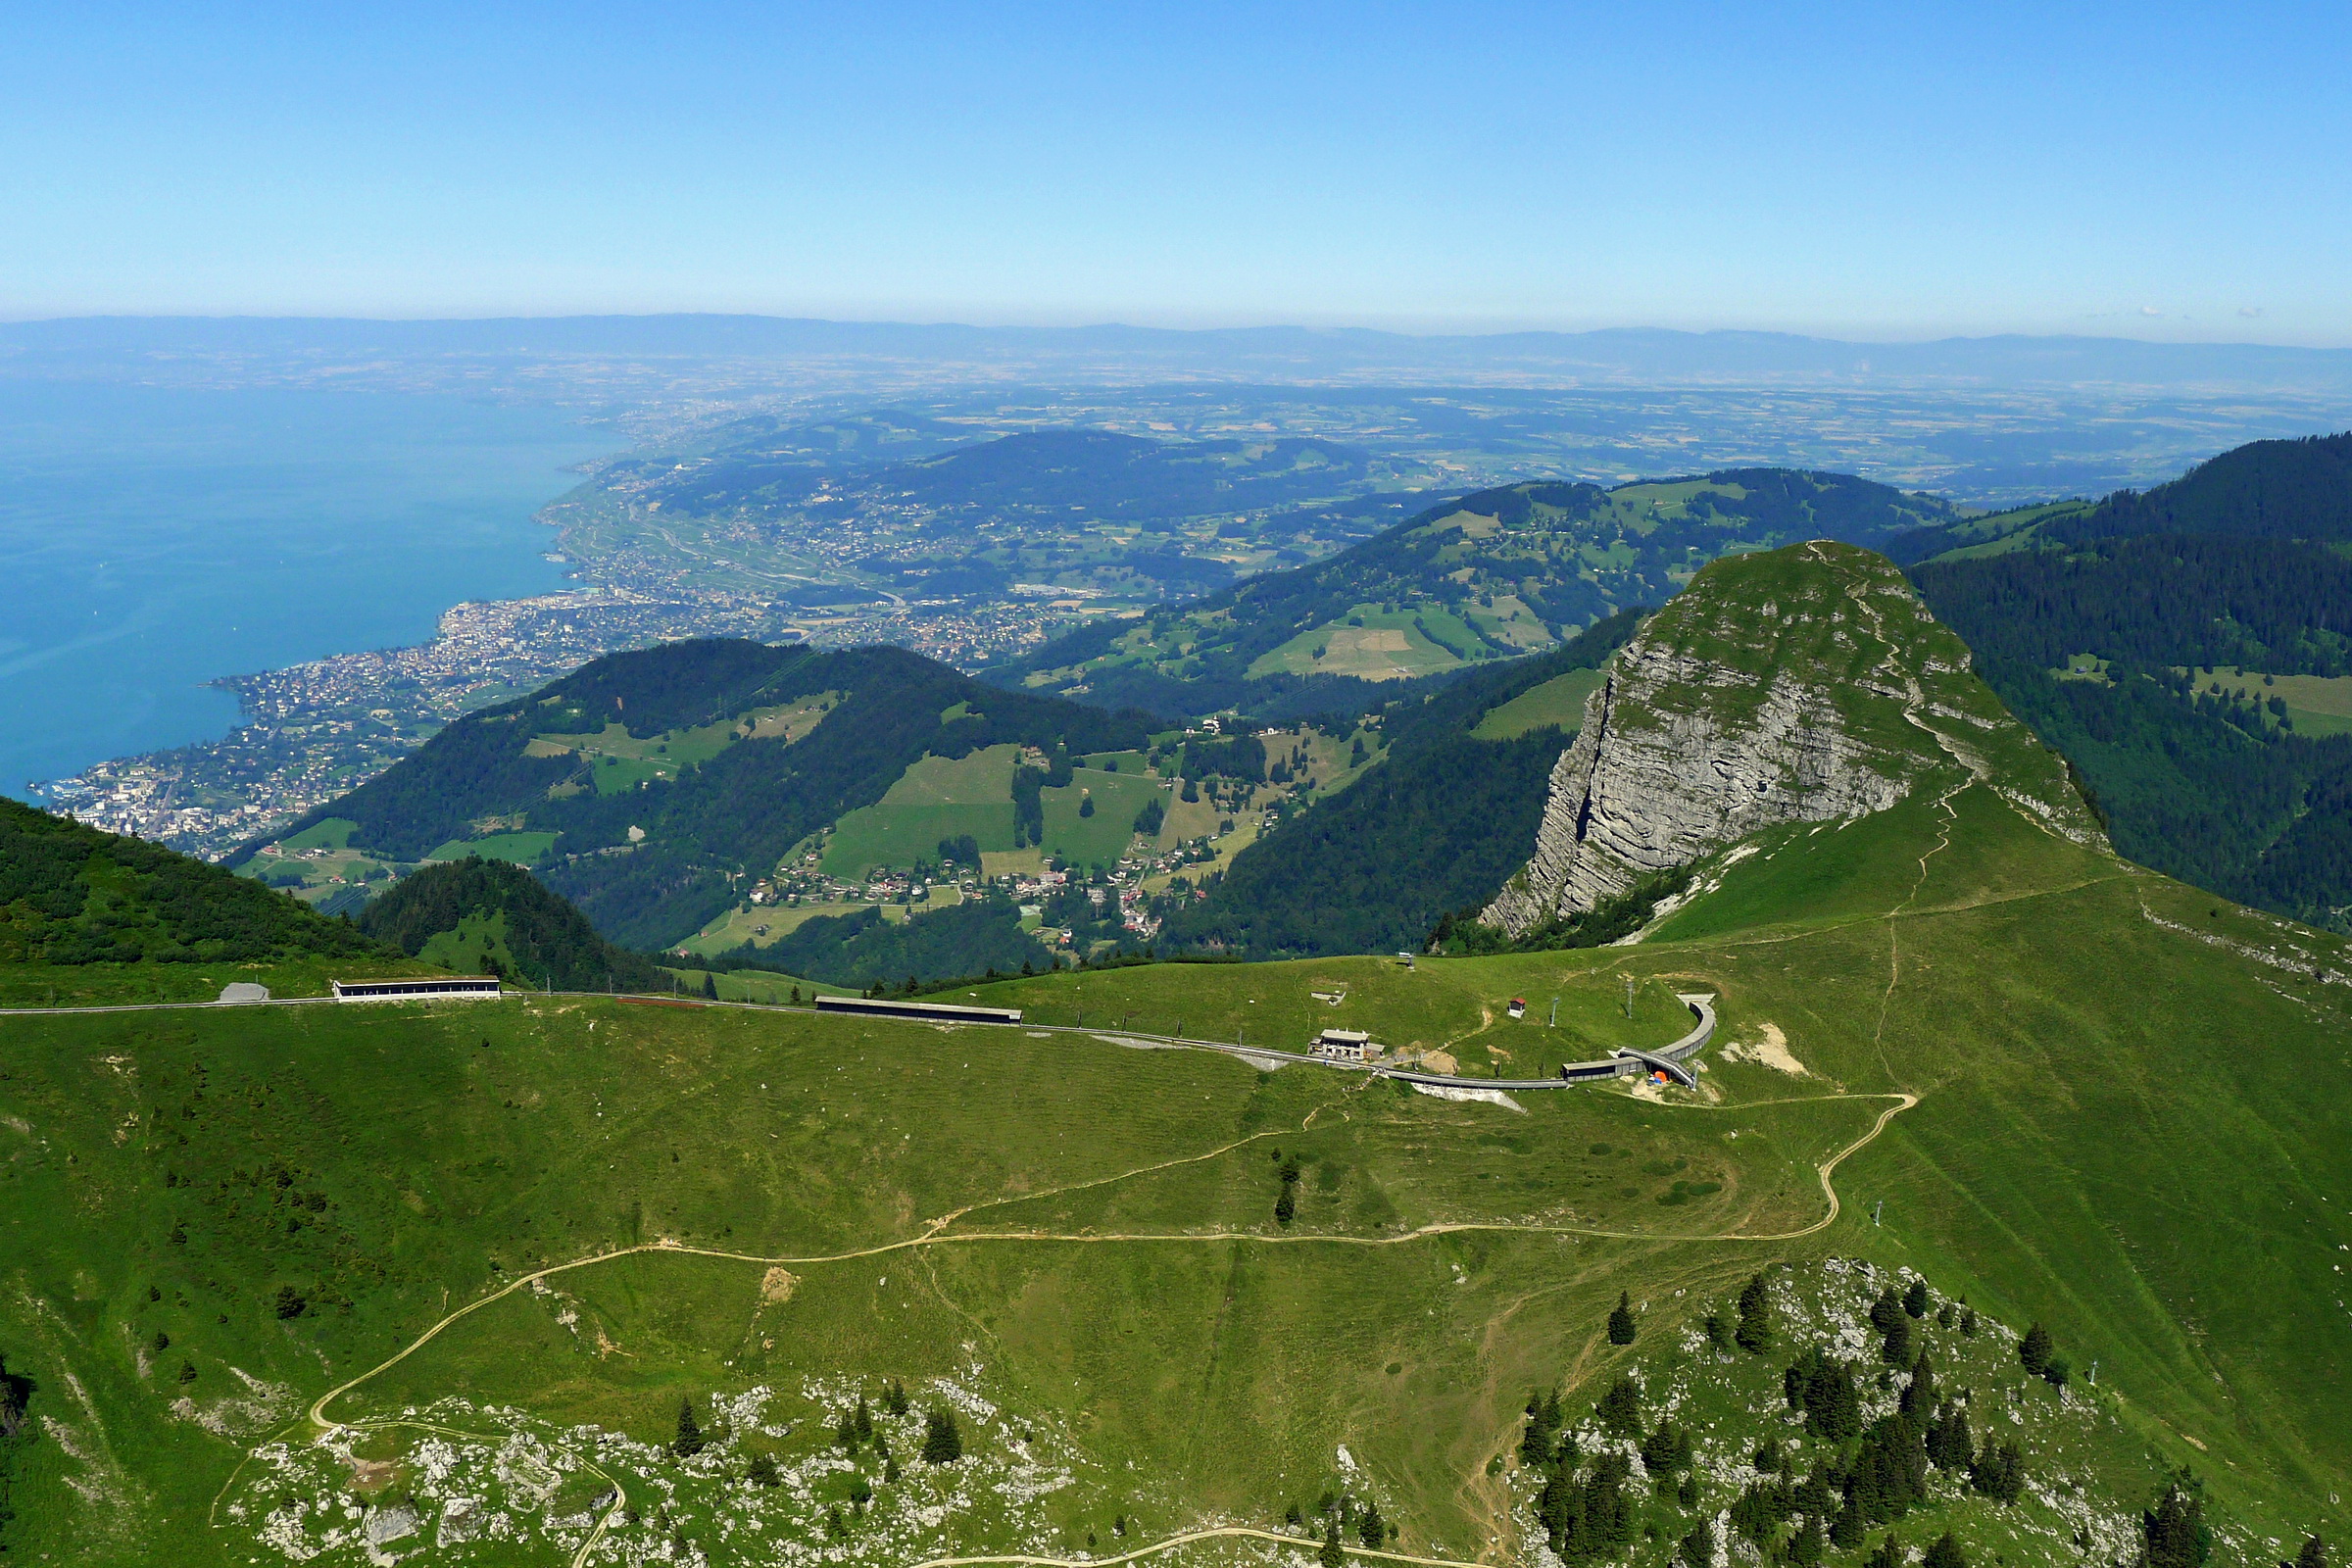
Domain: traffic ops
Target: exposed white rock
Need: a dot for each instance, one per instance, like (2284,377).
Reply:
(1832,697)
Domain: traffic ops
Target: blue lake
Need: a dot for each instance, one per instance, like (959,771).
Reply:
(151,541)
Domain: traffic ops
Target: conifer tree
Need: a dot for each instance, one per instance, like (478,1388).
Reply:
(1999,1472)
(762,1472)
(1371,1529)
(1332,1554)
(1719,1333)
(2173,1534)
(1754,1334)
(2313,1556)
(689,1442)
(1886,1311)
(1849,1528)
(2033,1350)
(1898,1351)
(863,1424)
(1688,1493)
(1805,1551)
(1888,1553)
(846,1434)
(894,1398)
(1918,1397)
(1697,1549)
(1950,1445)
(710,986)
(1622,1329)
(1620,1409)
(1945,1553)
(943,1440)
(1915,1299)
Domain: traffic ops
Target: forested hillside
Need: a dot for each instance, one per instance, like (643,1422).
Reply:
(641,784)
(72,895)
(2146,638)
(1496,574)
(1436,827)
(486,917)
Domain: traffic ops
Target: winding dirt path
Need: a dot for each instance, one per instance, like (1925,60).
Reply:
(935,1233)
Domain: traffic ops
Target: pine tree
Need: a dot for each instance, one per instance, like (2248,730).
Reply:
(1620,1409)
(1805,1551)
(1898,1351)
(1945,1553)
(1697,1549)
(1849,1528)
(2174,1532)
(1918,1397)
(863,1426)
(710,986)
(1755,1317)
(1371,1529)
(1915,1299)
(943,1440)
(1968,1322)
(1622,1328)
(2033,1350)
(835,1525)
(1719,1333)
(1295,1519)
(187,1373)
(2313,1556)
(762,1472)
(1999,1472)
(1888,1553)
(1886,1311)
(689,1442)
(846,1434)
(1950,1445)
(894,1398)
(1333,1554)
(1688,1493)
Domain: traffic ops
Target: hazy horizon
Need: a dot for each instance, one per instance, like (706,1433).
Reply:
(1843,173)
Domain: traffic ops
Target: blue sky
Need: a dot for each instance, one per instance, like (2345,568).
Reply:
(1882,171)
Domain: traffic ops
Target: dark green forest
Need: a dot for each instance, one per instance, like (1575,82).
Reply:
(2215,790)
(70,894)
(864,949)
(1442,823)
(551,941)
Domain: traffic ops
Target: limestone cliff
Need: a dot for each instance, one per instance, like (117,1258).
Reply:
(1804,684)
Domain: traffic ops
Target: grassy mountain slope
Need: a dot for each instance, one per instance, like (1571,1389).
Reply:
(489,918)
(1494,574)
(1111,1299)
(660,777)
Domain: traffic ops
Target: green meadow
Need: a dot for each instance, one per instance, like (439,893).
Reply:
(2067,1090)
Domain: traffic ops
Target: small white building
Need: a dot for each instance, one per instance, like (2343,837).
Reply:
(1345,1044)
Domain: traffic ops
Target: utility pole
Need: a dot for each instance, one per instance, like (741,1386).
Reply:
(1629,997)
(1876,1209)
(1555,1015)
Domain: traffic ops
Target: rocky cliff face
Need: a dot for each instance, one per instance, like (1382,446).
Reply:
(1804,684)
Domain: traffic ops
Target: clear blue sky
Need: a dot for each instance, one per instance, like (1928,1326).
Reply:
(1882,169)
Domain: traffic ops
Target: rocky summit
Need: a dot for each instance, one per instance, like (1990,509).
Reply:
(1801,684)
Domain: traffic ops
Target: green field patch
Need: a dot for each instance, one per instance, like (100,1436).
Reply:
(477,946)
(524,849)
(1369,643)
(937,798)
(1105,835)
(1558,700)
(335,833)
(2318,704)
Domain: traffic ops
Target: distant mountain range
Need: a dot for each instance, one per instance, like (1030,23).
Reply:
(1280,353)
(1494,574)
